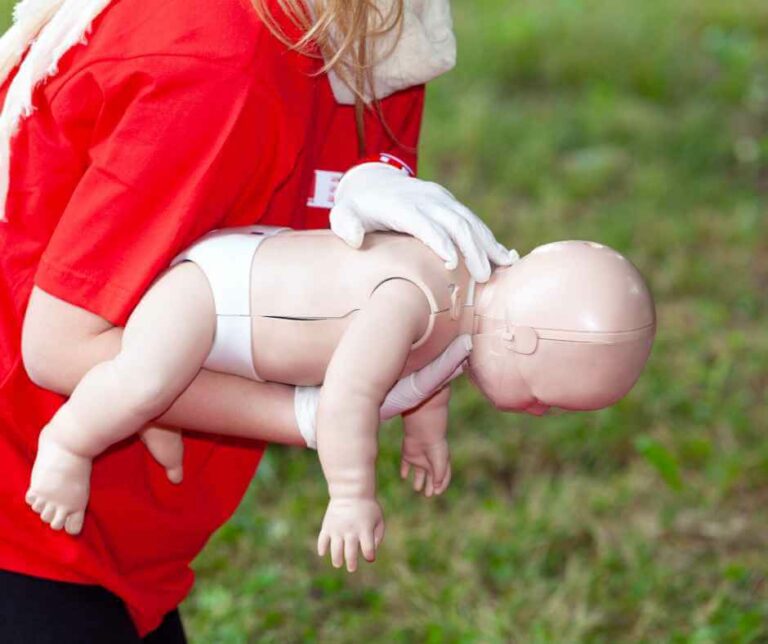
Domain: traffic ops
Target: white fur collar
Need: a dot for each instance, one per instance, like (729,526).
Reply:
(56,26)
(426,49)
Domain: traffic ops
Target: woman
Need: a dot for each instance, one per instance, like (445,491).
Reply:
(129,129)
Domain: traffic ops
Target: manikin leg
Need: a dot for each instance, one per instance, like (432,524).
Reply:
(166,341)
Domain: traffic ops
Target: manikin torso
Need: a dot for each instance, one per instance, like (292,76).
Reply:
(307,286)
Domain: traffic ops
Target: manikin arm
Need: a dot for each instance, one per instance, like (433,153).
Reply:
(367,361)
(62,342)
(425,446)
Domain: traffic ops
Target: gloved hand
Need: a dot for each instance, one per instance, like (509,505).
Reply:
(407,393)
(411,391)
(377,196)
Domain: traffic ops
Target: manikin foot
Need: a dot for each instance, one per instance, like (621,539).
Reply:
(167,448)
(60,484)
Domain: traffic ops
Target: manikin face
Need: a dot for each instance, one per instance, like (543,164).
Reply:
(494,369)
(576,376)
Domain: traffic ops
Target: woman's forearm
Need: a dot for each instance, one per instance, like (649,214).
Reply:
(215,402)
(230,405)
(220,403)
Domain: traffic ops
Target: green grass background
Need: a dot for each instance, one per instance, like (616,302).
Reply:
(643,125)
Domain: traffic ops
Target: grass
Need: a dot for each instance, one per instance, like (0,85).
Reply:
(643,125)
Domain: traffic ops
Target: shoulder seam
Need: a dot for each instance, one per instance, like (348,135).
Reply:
(111,59)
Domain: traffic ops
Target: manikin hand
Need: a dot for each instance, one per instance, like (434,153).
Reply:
(349,524)
(425,448)
(431,465)
(377,196)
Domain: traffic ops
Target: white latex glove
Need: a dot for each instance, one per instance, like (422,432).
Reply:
(408,392)
(376,196)
(411,391)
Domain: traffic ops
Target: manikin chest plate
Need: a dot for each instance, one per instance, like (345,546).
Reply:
(291,294)
(311,275)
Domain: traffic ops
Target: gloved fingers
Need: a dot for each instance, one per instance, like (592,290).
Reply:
(424,227)
(351,545)
(439,191)
(433,376)
(495,251)
(463,235)
(346,224)
(323,543)
(368,545)
(337,551)
(456,373)
(476,257)
(504,256)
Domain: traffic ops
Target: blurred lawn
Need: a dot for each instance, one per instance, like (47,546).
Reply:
(643,125)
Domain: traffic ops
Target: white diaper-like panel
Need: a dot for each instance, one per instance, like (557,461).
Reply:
(225,256)
(232,349)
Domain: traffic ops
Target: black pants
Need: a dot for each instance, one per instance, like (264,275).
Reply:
(41,611)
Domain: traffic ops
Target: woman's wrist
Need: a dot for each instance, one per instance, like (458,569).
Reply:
(391,160)
(383,160)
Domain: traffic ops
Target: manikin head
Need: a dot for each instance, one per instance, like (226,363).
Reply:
(570,325)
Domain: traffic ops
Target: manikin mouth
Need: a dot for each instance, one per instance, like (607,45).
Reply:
(537,409)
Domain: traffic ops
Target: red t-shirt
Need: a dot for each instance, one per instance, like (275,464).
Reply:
(177,117)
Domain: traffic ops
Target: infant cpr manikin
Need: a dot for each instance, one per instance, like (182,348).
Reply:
(569,326)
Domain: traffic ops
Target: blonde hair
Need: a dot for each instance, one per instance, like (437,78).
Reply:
(344,32)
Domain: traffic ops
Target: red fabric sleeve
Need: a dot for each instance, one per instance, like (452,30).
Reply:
(177,141)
